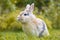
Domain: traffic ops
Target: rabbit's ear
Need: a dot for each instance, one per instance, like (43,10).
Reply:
(32,7)
(28,6)
(27,9)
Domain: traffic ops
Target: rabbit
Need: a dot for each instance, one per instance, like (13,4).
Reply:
(32,25)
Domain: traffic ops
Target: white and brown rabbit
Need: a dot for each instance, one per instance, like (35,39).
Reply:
(30,24)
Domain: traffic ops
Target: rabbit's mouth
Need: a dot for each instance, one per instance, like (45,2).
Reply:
(18,19)
(23,22)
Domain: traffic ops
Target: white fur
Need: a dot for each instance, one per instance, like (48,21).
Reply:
(30,24)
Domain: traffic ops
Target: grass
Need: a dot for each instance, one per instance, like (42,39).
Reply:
(20,35)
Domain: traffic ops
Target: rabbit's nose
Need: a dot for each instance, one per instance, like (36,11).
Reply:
(18,18)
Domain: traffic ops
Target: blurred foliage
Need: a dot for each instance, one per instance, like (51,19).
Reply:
(6,6)
(49,11)
(8,22)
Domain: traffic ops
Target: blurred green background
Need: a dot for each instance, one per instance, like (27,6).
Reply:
(47,10)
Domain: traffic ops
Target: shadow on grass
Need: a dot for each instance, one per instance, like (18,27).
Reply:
(12,30)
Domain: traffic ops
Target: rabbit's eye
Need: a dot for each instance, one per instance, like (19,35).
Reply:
(26,14)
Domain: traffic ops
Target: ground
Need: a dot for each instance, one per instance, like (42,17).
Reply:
(20,35)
